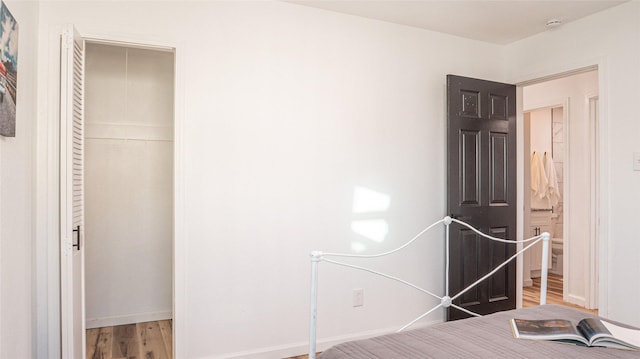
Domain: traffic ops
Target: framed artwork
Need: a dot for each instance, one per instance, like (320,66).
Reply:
(8,71)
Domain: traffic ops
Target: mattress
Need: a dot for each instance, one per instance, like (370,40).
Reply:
(485,337)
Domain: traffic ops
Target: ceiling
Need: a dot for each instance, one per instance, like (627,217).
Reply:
(499,22)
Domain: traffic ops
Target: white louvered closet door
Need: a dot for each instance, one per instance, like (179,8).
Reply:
(72,194)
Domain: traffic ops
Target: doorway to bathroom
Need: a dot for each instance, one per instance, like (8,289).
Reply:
(560,183)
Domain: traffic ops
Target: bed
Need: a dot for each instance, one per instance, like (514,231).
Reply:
(482,337)
(477,337)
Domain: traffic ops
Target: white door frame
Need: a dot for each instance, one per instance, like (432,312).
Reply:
(48,211)
(72,194)
(599,191)
(592,103)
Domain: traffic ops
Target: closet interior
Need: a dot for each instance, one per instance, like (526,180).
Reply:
(129,185)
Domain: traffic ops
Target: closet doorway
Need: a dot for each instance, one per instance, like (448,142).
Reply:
(129,192)
(560,184)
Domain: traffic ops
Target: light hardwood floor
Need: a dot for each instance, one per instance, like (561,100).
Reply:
(140,340)
(304,356)
(531,295)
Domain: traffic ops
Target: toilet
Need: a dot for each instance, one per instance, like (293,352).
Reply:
(556,256)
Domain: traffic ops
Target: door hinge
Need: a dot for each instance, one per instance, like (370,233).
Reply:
(67,40)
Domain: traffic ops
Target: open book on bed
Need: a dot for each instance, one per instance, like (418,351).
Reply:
(590,332)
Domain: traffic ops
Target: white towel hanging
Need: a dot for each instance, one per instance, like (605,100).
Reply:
(539,182)
(553,191)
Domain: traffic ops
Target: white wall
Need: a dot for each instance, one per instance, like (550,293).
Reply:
(17,200)
(610,39)
(559,144)
(540,137)
(575,91)
(286,110)
(541,130)
(128,185)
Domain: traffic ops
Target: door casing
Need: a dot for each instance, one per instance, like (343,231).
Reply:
(597,282)
(48,342)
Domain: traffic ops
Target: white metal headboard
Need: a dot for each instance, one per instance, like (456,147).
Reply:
(446,300)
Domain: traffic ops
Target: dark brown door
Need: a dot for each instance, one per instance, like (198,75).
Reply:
(482,191)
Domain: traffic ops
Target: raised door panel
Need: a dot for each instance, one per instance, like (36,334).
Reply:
(469,168)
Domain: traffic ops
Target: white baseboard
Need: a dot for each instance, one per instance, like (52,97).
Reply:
(127,319)
(527,283)
(574,299)
(294,349)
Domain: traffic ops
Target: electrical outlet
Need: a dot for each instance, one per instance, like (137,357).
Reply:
(358,297)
